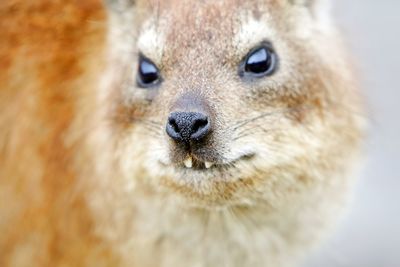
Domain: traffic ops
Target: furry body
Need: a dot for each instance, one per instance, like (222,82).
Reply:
(88,177)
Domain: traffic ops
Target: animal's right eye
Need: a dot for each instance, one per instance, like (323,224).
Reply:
(260,62)
(148,73)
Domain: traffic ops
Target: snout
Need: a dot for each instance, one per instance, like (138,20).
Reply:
(188,127)
(196,136)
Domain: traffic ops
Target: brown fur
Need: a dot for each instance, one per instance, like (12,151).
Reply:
(46,50)
(78,186)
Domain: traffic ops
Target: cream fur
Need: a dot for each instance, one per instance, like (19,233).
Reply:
(286,197)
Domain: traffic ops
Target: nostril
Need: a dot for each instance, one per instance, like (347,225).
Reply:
(199,124)
(174,125)
(201,128)
(173,129)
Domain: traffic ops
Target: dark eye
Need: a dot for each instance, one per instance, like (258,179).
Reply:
(260,62)
(148,74)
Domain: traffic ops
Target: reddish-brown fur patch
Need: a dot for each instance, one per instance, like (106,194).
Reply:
(45,50)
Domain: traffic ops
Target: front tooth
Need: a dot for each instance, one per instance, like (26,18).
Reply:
(188,162)
(208,164)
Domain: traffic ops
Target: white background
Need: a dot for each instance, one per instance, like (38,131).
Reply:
(370,233)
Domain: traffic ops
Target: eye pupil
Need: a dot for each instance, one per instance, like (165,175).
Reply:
(148,73)
(259,62)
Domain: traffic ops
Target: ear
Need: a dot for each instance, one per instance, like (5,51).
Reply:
(119,5)
(317,7)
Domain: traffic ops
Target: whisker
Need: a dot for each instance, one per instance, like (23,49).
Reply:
(151,126)
(245,134)
(155,123)
(246,129)
(263,115)
(148,129)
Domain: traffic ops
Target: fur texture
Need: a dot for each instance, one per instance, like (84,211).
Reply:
(88,176)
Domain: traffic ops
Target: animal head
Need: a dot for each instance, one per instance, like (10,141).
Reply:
(224,102)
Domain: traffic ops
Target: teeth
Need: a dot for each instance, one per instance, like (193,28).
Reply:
(188,162)
(208,164)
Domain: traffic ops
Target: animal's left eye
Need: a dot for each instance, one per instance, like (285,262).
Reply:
(260,62)
(148,73)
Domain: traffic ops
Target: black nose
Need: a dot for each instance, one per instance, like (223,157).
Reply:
(188,126)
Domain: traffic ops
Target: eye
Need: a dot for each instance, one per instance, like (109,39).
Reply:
(148,73)
(260,62)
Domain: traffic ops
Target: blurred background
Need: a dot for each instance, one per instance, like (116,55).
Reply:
(369,236)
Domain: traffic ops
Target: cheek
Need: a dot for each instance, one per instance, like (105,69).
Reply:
(301,141)
(280,141)
(127,154)
(140,149)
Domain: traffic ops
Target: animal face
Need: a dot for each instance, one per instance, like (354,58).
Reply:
(224,102)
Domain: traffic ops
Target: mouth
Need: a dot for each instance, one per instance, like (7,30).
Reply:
(203,183)
(195,163)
